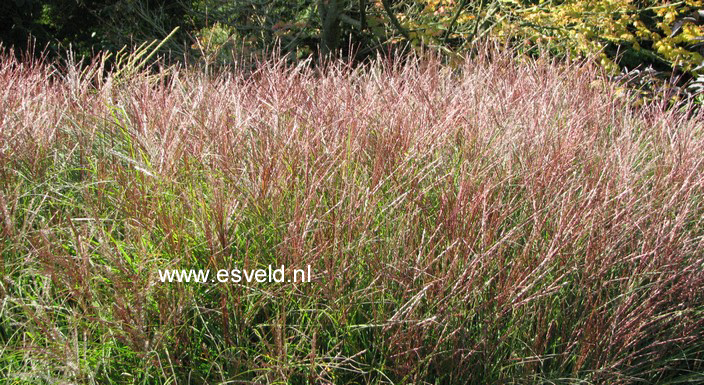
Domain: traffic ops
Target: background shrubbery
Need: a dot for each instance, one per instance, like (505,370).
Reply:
(664,34)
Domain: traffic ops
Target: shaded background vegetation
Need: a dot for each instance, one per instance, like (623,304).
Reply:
(662,34)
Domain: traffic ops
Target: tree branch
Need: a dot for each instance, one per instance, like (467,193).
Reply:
(394,20)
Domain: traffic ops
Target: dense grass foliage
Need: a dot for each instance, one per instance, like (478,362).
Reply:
(510,221)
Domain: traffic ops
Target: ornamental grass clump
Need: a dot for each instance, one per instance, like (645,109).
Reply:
(510,221)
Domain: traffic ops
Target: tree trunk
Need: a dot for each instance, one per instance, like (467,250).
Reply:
(329,11)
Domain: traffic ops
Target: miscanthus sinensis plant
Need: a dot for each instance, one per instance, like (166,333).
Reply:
(509,221)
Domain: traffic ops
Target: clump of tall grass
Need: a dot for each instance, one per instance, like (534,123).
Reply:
(512,220)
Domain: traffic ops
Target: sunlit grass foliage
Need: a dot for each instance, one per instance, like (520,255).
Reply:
(509,221)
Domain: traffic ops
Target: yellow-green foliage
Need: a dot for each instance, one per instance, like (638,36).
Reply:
(578,27)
